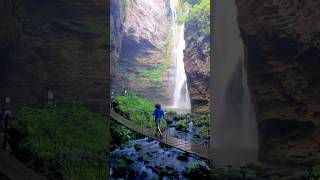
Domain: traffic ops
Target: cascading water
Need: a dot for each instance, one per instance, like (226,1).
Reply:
(181,99)
(235,137)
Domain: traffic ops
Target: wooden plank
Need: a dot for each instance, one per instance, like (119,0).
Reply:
(178,143)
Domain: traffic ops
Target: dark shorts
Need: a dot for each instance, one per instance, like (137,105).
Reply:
(157,121)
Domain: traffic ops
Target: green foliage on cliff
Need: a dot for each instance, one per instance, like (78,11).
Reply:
(155,74)
(198,13)
(53,135)
(183,9)
(136,109)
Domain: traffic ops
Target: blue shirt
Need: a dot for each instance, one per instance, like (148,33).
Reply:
(158,113)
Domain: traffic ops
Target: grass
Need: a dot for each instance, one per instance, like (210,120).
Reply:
(155,74)
(137,109)
(53,135)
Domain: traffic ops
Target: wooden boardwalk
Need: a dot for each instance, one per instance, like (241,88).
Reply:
(178,143)
(16,170)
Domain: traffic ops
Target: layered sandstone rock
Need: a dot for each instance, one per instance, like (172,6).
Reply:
(142,55)
(197,67)
(61,48)
(117,17)
(282,47)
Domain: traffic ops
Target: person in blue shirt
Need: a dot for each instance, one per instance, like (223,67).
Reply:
(158,114)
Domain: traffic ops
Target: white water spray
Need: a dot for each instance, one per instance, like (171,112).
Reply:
(234,131)
(181,99)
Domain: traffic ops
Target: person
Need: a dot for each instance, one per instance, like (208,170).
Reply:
(158,114)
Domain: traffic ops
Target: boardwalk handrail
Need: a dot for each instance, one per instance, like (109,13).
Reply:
(178,143)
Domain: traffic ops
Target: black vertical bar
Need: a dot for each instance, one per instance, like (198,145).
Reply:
(5,135)
(99,164)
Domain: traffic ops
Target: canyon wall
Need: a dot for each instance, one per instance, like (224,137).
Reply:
(197,67)
(55,45)
(117,17)
(282,49)
(142,61)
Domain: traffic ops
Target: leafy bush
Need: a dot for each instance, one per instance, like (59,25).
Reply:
(52,135)
(198,13)
(136,109)
(203,120)
(198,170)
(204,132)
(119,133)
(181,125)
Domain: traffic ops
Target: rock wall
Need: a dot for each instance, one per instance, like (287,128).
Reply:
(282,46)
(117,17)
(197,67)
(142,58)
(60,47)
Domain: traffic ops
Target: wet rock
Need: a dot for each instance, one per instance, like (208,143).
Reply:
(183,157)
(151,153)
(169,121)
(176,118)
(196,136)
(137,147)
(127,159)
(140,158)
(165,170)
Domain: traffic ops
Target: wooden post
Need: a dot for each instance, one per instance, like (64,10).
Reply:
(51,102)
(6,116)
(243,172)
(229,168)
(7,100)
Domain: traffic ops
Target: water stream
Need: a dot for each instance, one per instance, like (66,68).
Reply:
(181,99)
(148,159)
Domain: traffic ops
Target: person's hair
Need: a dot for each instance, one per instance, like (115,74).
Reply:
(157,106)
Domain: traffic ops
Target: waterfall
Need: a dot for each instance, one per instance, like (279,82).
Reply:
(181,99)
(234,131)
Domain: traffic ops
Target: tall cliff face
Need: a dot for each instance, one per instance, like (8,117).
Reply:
(117,17)
(142,65)
(282,46)
(61,48)
(197,67)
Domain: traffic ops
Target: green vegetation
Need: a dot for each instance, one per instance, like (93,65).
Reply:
(53,135)
(198,170)
(198,14)
(181,125)
(119,133)
(136,109)
(204,132)
(155,74)
(202,120)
